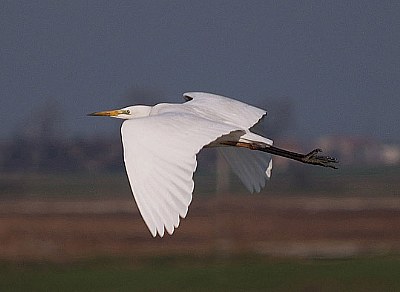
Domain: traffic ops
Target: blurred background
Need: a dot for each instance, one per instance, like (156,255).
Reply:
(328,75)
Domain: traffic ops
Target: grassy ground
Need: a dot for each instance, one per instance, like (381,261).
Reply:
(299,181)
(199,274)
(371,227)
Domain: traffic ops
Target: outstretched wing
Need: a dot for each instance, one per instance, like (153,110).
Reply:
(225,109)
(160,159)
(252,167)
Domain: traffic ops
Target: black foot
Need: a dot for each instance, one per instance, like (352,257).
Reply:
(313,158)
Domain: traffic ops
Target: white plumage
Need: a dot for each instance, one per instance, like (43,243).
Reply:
(161,143)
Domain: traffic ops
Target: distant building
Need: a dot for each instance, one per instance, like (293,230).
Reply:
(360,150)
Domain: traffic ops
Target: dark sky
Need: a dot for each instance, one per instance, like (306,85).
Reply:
(338,63)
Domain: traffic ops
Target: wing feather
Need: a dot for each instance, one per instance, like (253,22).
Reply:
(252,167)
(227,110)
(160,159)
(145,209)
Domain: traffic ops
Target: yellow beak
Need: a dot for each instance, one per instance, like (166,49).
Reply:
(112,113)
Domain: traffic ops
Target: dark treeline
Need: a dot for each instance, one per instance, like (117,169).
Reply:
(52,154)
(56,155)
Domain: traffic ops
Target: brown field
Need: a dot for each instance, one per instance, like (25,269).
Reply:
(64,230)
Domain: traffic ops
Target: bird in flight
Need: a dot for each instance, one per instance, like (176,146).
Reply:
(161,143)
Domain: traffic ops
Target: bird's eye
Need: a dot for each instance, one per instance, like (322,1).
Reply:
(128,112)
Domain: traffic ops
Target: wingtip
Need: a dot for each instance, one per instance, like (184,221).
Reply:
(187,96)
(269,169)
(161,232)
(171,231)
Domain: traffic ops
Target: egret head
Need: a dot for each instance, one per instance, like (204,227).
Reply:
(125,113)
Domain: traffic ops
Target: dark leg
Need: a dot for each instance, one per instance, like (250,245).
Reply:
(310,158)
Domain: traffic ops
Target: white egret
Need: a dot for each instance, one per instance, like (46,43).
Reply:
(161,143)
